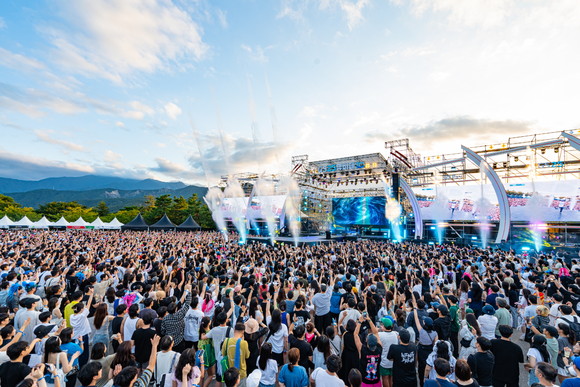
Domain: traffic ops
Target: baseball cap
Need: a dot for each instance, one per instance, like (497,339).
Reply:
(387,322)
(42,331)
(576,360)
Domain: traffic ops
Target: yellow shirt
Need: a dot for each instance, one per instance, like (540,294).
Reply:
(230,344)
(68,312)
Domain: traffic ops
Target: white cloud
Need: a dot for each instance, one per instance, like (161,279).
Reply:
(18,61)
(256,53)
(485,13)
(139,111)
(352,9)
(44,136)
(2,23)
(111,157)
(172,110)
(114,39)
(119,124)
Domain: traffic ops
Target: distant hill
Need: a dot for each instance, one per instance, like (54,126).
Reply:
(84,183)
(115,198)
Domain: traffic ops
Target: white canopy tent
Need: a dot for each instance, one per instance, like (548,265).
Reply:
(80,222)
(113,225)
(42,223)
(98,224)
(6,222)
(24,222)
(62,222)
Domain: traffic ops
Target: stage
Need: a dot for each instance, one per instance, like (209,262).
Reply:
(313,239)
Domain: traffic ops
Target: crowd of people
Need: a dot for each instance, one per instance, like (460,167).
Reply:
(134,309)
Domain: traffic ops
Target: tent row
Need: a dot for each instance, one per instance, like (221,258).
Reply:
(162,224)
(80,223)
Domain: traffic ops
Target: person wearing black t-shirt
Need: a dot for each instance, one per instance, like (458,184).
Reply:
(300,316)
(404,357)
(142,341)
(508,356)
(482,362)
(296,340)
(14,371)
(116,323)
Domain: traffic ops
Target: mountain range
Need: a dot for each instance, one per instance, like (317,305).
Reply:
(90,190)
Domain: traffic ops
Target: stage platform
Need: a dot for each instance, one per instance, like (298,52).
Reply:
(313,239)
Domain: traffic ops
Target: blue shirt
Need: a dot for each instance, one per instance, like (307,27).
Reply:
(70,349)
(572,382)
(438,383)
(335,302)
(295,378)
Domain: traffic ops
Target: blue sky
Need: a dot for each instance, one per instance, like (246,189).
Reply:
(190,90)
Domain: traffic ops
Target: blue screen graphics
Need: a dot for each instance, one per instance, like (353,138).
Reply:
(369,211)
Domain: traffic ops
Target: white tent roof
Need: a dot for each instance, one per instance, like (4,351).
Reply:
(113,224)
(61,222)
(42,223)
(5,222)
(24,222)
(79,222)
(97,223)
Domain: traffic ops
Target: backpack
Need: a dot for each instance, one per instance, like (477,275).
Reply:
(574,325)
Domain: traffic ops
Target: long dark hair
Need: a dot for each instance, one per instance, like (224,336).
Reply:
(205,321)
(110,295)
(471,320)
(187,357)
(98,351)
(323,346)
(442,350)
(276,322)
(539,343)
(569,333)
(124,357)
(101,311)
(476,292)
(265,355)
(52,345)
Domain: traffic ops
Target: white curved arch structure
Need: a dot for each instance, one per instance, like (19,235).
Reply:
(504,207)
(416,207)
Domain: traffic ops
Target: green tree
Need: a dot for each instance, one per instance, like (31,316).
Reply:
(127,214)
(101,209)
(54,210)
(7,201)
(179,210)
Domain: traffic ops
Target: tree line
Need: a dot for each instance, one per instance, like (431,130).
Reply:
(177,209)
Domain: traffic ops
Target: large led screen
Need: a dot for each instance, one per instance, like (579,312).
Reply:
(359,211)
(545,201)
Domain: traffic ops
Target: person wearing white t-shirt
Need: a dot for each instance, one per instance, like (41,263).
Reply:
(388,337)
(327,377)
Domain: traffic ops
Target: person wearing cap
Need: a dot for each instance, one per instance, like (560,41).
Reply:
(369,354)
(487,322)
(572,364)
(254,331)
(387,337)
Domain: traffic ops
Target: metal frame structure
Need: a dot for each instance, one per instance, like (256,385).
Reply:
(550,155)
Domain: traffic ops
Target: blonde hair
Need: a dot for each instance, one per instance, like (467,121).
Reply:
(543,311)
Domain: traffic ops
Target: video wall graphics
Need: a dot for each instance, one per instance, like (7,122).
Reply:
(540,201)
(368,211)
